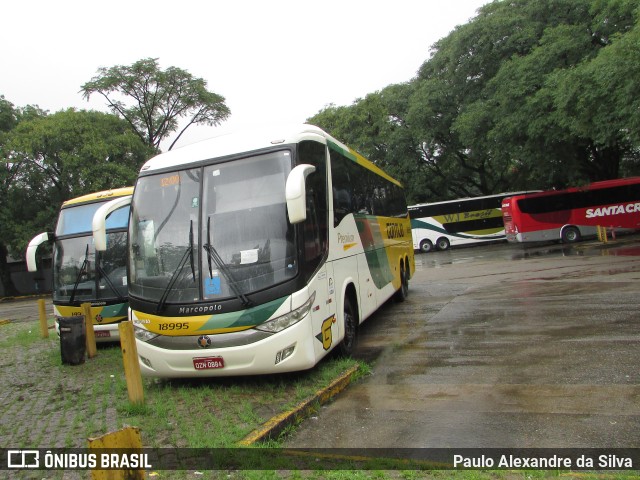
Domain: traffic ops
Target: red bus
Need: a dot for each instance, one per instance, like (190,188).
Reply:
(572,214)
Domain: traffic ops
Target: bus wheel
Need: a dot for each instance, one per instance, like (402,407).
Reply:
(442,243)
(426,246)
(348,344)
(571,235)
(403,292)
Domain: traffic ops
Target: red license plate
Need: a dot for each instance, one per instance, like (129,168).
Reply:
(207,363)
(102,333)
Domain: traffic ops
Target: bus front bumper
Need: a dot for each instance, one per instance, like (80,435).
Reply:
(286,351)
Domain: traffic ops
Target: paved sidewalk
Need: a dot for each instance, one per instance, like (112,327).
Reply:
(45,403)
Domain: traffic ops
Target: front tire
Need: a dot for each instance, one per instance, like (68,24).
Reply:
(348,343)
(426,246)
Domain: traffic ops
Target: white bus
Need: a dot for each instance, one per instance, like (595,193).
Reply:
(457,222)
(259,252)
(82,275)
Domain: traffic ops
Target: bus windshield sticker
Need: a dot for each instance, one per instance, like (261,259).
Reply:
(248,256)
(212,285)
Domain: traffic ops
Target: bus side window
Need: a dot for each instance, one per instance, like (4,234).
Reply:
(315,227)
(343,198)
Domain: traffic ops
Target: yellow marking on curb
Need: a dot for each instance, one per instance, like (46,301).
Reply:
(4,321)
(321,396)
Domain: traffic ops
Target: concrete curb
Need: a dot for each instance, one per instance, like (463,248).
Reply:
(276,425)
(24,297)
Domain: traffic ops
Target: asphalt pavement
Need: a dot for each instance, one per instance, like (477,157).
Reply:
(499,346)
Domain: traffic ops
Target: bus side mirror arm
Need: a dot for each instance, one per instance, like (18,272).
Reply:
(295,193)
(32,249)
(99,223)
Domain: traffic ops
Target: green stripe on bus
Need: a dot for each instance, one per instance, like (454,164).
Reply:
(116,310)
(374,251)
(360,160)
(245,318)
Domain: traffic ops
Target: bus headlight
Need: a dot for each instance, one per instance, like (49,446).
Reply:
(143,334)
(285,321)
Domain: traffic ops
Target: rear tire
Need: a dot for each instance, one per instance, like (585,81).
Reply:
(403,292)
(443,243)
(571,235)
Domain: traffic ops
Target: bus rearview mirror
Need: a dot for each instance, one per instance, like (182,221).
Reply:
(32,248)
(295,193)
(99,223)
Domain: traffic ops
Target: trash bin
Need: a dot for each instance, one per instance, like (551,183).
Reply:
(73,339)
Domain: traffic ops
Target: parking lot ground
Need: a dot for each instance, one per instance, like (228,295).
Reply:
(499,346)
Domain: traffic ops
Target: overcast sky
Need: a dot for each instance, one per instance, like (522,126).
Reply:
(272,60)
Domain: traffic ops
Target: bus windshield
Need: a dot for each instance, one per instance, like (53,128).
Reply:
(77,219)
(77,274)
(213,232)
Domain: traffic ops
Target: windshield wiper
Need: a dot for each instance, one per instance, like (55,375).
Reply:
(83,270)
(212,254)
(103,274)
(188,254)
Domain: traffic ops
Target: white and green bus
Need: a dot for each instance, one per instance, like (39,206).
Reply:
(80,273)
(260,252)
(440,225)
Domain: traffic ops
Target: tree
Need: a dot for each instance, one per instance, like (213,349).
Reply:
(523,94)
(8,120)
(158,99)
(375,126)
(47,159)
(530,94)
(607,114)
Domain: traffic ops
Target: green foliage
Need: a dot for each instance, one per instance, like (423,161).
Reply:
(529,94)
(47,159)
(158,99)
(8,115)
(52,158)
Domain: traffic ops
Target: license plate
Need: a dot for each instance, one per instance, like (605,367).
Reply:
(102,333)
(207,363)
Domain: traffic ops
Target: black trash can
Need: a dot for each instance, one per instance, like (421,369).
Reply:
(73,338)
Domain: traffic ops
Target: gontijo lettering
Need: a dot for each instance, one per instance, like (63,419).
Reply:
(613,210)
(395,230)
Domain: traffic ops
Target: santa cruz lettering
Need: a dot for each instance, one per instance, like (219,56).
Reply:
(612,210)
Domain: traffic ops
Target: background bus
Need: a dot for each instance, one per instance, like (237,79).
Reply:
(80,274)
(457,222)
(572,214)
(260,252)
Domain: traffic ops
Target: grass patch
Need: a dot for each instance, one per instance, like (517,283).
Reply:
(19,335)
(219,412)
